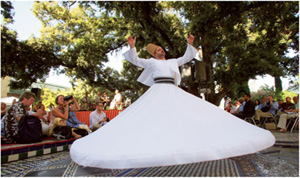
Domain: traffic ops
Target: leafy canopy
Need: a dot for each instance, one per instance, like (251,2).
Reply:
(239,40)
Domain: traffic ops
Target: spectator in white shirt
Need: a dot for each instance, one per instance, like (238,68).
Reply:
(97,117)
(226,102)
(233,107)
(116,102)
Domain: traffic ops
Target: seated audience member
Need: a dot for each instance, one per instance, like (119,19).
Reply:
(45,120)
(285,106)
(59,116)
(269,110)
(2,129)
(257,104)
(262,103)
(3,109)
(226,102)
(14,114)
(97,117)
(288,104)
(291,113)
(280,105)
(237,105)
(240,105)
(243,102)
(248,109)
(73,120)
(228,108)
(234,107)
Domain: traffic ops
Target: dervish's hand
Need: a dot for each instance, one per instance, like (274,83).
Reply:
(131,41)
(190,39)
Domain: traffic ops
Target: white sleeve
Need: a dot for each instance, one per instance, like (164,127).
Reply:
(133,58)
(189,54)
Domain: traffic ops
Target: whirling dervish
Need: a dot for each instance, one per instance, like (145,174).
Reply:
(166,125)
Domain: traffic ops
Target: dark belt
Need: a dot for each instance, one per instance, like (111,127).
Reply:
(164,80)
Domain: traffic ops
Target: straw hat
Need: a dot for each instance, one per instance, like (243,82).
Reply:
(151,48)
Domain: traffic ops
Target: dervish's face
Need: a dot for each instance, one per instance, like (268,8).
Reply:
(159,53)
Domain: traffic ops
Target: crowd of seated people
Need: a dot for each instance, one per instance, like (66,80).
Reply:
(266,107)
(59,123)
(62,123)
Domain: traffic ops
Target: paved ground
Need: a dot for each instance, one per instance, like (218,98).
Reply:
(281,160)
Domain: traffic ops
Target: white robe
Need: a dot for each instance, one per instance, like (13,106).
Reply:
(155,68)
(168,126)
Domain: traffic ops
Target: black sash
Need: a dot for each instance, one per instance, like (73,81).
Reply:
(164,80)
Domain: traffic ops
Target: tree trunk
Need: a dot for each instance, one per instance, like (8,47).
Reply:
(278,84)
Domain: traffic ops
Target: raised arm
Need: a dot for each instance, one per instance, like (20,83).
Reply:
(190,52)
(132,56)
(131,41)
(76,106)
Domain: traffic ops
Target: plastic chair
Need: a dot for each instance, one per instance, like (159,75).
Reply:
(269,119)
(296,122)
(251,118)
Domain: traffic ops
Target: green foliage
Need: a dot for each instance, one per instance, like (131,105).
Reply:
(25,61)
(78,93)
(238,91)
(239,40)
(82,38)
(6,10)
(266,90)
(243,39)
(263,92)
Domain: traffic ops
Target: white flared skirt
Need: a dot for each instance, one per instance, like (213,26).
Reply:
(168,126)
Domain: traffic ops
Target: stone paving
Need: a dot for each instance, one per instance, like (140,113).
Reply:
(281,160)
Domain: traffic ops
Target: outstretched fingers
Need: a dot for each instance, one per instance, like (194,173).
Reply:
(131,41)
